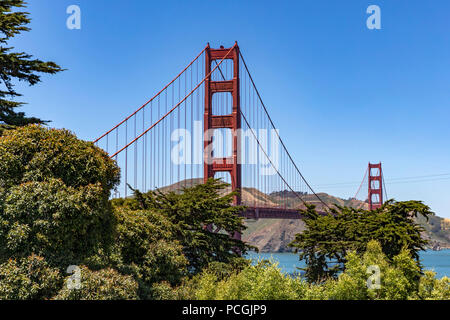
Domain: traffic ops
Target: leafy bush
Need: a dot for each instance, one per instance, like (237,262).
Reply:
(263,281)
(105,284)
(431,288)
(398,279)
(54,192)
(60,223)
(28,278)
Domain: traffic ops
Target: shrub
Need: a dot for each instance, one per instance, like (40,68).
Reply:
(399,278)
(431,288)
(28,278)
(54,192)
(263,281)
(62,224)
(105,284)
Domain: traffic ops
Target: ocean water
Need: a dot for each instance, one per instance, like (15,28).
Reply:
(438,261)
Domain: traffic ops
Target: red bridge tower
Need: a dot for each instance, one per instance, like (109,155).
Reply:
(375,186)
(231,121)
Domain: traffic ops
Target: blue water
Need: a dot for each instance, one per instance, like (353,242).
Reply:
(438,261)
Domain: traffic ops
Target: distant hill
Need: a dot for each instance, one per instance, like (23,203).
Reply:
(274,235)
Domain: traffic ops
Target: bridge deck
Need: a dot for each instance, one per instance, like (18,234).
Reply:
(273,213)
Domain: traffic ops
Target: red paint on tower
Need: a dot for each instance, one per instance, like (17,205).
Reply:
(375,186)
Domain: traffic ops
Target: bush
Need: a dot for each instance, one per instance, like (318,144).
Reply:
(431,288)
(105,284)
(263,281)
(28,278)
(62,224)
(398,279)
(54,192)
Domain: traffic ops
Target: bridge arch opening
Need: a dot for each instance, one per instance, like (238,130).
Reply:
(222,103)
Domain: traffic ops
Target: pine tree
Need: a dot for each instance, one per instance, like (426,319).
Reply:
(17,66)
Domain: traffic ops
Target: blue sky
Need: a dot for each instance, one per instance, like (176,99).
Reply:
(341,94)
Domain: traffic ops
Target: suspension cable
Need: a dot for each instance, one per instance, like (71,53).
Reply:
(176,106)
(145,104)
(282,143)
(362,182)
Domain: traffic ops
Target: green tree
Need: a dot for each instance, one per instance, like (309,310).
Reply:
(191,211)
(18,66)
(54,196)
(327,239)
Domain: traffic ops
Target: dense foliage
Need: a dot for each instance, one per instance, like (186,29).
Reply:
(54,193)
(28,278)
(328,238)
(105,284)
(399,279)
(17,66)
(36,154)
(191,211)
(55,212)
(146,249)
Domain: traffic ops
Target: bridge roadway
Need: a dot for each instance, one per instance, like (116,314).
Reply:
(273,213)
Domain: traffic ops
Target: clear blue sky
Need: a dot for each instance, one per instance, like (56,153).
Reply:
(343,95)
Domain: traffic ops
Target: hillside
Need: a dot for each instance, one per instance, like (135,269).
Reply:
(274,235)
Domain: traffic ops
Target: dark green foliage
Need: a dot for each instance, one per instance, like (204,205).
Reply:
(105,284)
(191,211)
(54,192)
(327,239)
(28,278)
(146,248)
(224,270)
(63,224)
(17,65)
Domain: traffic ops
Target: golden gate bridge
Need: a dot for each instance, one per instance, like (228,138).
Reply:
(210,121)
